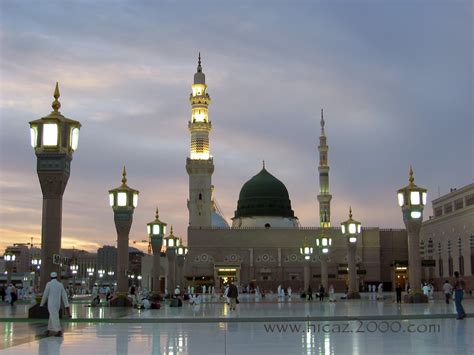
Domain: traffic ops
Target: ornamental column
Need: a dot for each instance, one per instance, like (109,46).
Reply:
(54,139)
(156,231)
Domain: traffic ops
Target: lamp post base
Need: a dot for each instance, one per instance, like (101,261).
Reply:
(353,295)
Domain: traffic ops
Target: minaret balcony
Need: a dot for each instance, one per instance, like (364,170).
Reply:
(194,126)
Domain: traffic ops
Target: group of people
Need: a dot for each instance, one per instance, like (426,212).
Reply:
(9,294)
(456,290)
(320,293)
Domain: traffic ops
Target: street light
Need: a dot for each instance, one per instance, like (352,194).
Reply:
(9,258)
(171,242)
(181,253)
(351,230)
(156,231)
(54,139)
(412,200)
(306,250)
(324,242)
(123,201)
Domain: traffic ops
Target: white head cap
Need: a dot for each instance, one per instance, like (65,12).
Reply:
(54,275)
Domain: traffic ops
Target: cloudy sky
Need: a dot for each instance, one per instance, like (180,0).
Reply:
(394,79)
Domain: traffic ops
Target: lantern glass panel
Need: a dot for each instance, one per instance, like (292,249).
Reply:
(343,229)
(352,228)
(34,136)
(324,242)
(415,214)
(148,229)
(111,199)
(171,242)
(122,199)
(358,228)
(424,198)
(415,197)
(400,199)
(50,134)
(352,239)
(325,250)
(156,229)
(135,199)
(74,138)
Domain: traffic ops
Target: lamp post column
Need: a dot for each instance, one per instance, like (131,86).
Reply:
(413,227)
(54,139)
(156,231)
(171,256)
(123,200)
(351,263)
(324,270)
(179,271)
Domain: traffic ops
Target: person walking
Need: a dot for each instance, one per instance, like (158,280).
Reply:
(458,295)
(310,293)
(54,293)
(321,293)
(398,291)
(232,294)
(2,293)
(447,290)
(13,295)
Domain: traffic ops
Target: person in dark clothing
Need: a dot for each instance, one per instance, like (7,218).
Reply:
(3,293)
(310,293)
(232,294)
(321,292)
(459,286)
(398,291)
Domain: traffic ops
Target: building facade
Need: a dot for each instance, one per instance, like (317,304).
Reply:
(447,238)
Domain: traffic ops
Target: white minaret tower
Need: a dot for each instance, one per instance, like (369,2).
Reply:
(324,196)
(199,165)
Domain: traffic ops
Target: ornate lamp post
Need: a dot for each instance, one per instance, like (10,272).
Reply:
(306,251)
(351,229)
(54,139)
(156,230)
(171,243)
(324,242)
(181,252)
(123,201)
(74,268)
(9,258)
(412,200)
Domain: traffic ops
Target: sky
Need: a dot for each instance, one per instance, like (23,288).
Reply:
(395,79)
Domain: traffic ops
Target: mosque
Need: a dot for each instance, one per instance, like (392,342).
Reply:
(262,246)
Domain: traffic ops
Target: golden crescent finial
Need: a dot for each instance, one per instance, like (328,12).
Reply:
(56,105)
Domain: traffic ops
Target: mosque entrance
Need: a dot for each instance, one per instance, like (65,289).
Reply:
(225,273)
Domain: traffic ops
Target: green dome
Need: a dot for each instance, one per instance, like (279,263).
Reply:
(264,195)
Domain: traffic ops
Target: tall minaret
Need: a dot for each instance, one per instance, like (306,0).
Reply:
(324,196)
(200,164)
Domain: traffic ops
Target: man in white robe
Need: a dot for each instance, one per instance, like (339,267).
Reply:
(54,293)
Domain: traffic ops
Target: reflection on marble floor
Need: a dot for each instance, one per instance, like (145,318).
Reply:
(447,336)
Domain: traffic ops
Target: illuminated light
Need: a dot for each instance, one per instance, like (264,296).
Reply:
(135,199)
(34,136)
(306,257)
(325,250)
(330,241)
(415,198)
(148,229)
(353,240)
(306,250)
(122,199)
(170,242)
(343,229)
(401,268)
(74,138)
(50,134)
(352,228)
(324,242)
(400,199)
(164,229)
(164,242)
(200,155)
(156,229)
(423,198)
(317,242)
(111,199)
(228,269)
(358,228)
(415,214)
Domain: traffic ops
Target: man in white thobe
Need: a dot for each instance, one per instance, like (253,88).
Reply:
(54,293)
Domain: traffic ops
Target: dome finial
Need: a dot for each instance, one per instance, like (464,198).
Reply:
(411,179)
(156,214)
(56,105)
(124,176)
(199,68)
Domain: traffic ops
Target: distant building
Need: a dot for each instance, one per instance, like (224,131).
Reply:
(107,258)
(447,238)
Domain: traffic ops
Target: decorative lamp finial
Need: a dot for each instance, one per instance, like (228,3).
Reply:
(264,164)
(56,105)
(124,176)
(350,212)
(411,178)
(156,215)
(171,231)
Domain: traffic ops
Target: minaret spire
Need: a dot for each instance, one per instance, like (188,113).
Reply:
(324,196)
(199,68)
